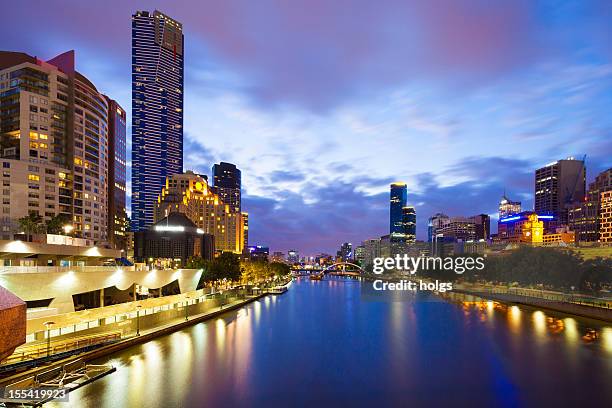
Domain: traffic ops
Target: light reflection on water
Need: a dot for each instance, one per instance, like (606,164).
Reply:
(321,344)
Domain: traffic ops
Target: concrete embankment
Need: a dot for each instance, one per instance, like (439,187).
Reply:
(590,312)
(144,337)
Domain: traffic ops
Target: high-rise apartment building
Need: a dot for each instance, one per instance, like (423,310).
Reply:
(117,175)
(605,216)
(227,181)
(397,201)
(53,145)
(346,252)
(190,194)
(245,228)
(558,185)
(584,217)
(157,109)
(409,220)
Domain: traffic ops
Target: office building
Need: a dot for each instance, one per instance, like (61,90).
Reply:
(584,217)
(482,226)
(398,199)
(605,216)
(409,221)
(435,222)
(293,256)
(117,175)
(53,145)
(507,207)
(346,252)
(157,110)
(457,228)
(172,241)
(557,186)
(227,184)
(190,194)
(258,253)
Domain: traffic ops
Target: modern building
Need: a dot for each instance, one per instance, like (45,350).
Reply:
(346,252)
(558,185)
(227,184)
(190,194)
(172,241)
(409,221)
(457,228)
(435,222)
(584,217)
(605,217)
(278,256)
(258,253)
(117,175)
(293,256)
(397,201)
(360,255)
(53,145)
(157,109)
(507,207)
(482,226)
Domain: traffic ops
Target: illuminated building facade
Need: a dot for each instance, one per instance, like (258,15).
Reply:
(558,185)
(245,229)
(53,145)
(584,217)
(117,175)
(482,226)
(436,221)
(457,228)
(605,217)
(157,109)
(293,256)
(398,199)
(258,253)
(171,241)
(508,207)
(346,252)
(525,227)
(409,221)
(190,194)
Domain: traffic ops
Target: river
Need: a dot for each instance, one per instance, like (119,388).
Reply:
(322,344)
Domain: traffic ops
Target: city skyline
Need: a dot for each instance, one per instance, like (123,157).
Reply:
(252,100)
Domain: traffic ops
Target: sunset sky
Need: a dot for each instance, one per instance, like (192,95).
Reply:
(322,103)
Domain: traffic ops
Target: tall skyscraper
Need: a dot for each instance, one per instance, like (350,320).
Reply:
(558,185)
(398,199)
(53,145)
(482,225)
(157,109)
(346,252)
(584,216)
(117,216)
(227,183)
(409,220)
(436,221)
(245,228)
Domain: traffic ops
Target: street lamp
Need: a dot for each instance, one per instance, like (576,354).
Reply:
(48,326)
(138,320)
(187,308)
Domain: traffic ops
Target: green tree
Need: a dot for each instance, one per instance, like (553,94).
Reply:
(56,224)
(31,224)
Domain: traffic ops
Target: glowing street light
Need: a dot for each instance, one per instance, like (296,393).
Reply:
(68,228)
(48,327)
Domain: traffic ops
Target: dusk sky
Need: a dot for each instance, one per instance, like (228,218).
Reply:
(322,103)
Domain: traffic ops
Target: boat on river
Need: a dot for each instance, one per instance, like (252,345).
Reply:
(316,276)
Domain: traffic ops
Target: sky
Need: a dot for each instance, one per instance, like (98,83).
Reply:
(322,104)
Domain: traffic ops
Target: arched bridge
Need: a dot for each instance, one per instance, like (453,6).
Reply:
(352,270)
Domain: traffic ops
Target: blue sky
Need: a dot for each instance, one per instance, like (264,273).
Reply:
(323,104)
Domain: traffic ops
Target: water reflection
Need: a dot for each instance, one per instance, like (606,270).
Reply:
(320,343)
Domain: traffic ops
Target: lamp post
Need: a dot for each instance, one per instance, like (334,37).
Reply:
(187,308)
(48,327)
(138,320)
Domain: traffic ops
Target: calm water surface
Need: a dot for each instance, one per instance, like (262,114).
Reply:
(320,344)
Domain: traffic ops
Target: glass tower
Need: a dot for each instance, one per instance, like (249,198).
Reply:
(227,182)
(157,110)
(399,196)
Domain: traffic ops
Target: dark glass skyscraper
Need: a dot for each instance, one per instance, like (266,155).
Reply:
(117,216)
(227,182)
(399,197)
(409,220)
(157,109)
